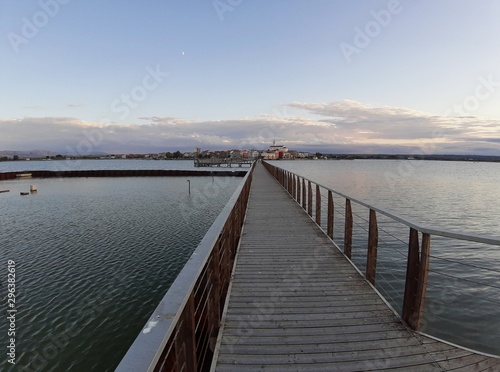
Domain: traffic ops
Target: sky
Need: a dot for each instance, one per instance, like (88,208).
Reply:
(345,76)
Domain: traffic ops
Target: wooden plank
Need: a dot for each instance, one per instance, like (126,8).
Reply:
(372,338)
(312,348)
(471,362)
(331,367)
(283,308)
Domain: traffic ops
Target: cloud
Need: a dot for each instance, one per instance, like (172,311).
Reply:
(394,126)
(334,127)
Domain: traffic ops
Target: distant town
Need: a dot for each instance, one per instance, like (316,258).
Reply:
(274,152)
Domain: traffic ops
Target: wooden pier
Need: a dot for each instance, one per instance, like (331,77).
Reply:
(292,301)
(297,304)
(223,162)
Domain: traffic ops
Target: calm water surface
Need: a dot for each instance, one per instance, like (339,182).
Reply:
(104,164)
(463,196)
(94,256)
(463,296)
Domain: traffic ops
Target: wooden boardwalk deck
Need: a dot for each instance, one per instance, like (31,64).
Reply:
(296,304)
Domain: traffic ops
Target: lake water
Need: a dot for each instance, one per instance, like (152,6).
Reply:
(463,296)
(94,256)
(104,164)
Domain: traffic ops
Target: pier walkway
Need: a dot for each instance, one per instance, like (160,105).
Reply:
(297,304)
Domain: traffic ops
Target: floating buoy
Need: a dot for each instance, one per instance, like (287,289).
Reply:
(33,188)
(25,193)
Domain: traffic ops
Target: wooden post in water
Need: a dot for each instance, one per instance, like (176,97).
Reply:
(309,198)
(348,229)
(371,257)
(330,216)
(417,271)
(318,205)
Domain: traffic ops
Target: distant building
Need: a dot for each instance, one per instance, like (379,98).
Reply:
(235,153)
(269,155)
(279,149)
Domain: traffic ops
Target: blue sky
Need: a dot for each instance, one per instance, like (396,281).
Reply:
(339,76)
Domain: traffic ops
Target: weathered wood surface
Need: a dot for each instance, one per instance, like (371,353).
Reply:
(296,304)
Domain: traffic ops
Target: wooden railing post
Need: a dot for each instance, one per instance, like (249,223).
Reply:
(303,193)
(371,257)
(185,342)
(318,206)
(309,198)
(294,186)
(298,190)
(330,216)
(417,271)
(348,229)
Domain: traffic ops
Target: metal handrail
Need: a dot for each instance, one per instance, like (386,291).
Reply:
(440,231)
(158,346)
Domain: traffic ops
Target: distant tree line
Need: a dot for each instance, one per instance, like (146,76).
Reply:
(175,155)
